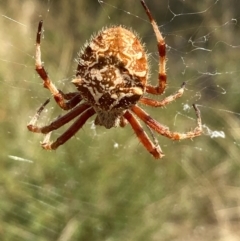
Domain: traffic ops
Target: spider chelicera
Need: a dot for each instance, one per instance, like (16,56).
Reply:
(111,80)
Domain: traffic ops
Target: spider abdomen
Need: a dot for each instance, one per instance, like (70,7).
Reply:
(112,70)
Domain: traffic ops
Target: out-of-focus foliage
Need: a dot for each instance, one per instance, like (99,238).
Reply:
(102,184)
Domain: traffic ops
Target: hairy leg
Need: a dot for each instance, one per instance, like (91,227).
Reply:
(58,95)
(163,130)
(71,131)
(162,77)
(165,101)
(32,126)
(154,149)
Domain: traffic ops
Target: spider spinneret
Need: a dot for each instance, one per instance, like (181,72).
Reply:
(111,80)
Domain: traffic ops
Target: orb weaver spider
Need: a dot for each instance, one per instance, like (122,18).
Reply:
(111,79)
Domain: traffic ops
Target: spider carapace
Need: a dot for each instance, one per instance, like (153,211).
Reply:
(111,80)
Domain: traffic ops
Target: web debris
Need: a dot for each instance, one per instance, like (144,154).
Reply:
(21,159)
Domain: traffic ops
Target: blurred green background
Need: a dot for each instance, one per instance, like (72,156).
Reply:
(102,184)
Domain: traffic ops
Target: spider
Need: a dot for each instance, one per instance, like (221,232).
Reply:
(111,79)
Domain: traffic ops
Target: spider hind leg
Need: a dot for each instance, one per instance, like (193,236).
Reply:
(153,148)
(163,130)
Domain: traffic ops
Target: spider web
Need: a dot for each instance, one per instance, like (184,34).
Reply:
(102,184)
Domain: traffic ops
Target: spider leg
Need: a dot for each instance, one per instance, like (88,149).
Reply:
(155,141)
(70,95)
(165,101)
(162,77)
(59,96)
(47,144)
(73,98)
(62,120)
(32,124)
(153,148)
(163,130)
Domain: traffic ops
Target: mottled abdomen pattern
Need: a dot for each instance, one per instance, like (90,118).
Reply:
(112,73)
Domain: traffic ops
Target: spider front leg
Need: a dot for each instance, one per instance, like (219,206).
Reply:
(58,95)
(162,76)
(163,130)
